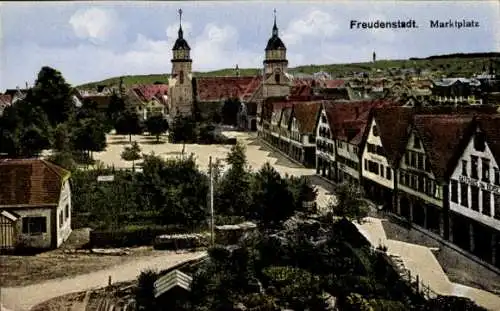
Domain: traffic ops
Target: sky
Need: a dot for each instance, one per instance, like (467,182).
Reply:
(90,41)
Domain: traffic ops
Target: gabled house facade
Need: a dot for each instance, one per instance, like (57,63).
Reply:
(35,204)
(325,147)
(474,192)
(422,193)
(302,146)
(386,138)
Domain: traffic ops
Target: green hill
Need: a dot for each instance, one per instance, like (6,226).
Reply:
(450,65)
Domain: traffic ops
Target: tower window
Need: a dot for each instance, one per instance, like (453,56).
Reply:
(181,77)
(277,78)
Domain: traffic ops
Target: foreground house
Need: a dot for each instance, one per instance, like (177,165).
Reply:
(35,204)
(474,191)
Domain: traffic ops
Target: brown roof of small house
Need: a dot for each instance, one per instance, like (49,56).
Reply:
(442,136)
(306,114)
(30,182)
(102,101)
(147,92)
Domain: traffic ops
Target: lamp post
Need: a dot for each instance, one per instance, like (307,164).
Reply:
(211,201)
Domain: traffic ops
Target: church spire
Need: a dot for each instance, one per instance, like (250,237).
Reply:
(180,24)
(275,27)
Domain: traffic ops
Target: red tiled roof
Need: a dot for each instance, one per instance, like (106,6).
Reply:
(341,114)
(441,136)
(148,92)
(300,91)
(217,88)
(30,182)
(306,114)
(332,84)
(251,88)
(393,124)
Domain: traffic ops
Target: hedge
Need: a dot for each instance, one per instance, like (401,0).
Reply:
(138,235)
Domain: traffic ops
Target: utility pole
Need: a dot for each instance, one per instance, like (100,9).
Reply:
(212,224)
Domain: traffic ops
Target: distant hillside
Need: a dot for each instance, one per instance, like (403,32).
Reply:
(451,65)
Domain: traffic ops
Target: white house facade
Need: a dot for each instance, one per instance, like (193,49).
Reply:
(474,194)
(378,175)
(325,148)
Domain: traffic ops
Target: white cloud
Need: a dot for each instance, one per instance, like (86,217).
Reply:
(315,24)
(95,24)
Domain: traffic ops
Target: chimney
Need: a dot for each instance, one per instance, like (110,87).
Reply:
(26,84)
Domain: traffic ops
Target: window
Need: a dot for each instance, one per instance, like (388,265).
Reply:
(464,194)
(464,167)
(420,161)
(411,181)
(485,168)
(479,142)
(181,77)
(497,177)
(34,225)
(381,170)
(67,211)
(416,142)
(474,198)
(277,78)
(388,173)
(61,218)
(323,119)
(420,186)
(473,167)
(366,164)
(407,158)
(375,131)
(486,202)
(413,159)
(454,191)
(373,167)
(427,165)
(402,178)
(496,198)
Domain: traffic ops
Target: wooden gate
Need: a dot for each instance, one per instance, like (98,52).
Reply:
(7,230)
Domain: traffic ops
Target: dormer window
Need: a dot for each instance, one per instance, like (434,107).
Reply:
(479,142)
(416,143)
(375,131)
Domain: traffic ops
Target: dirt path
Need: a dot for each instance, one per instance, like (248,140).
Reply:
(24,298)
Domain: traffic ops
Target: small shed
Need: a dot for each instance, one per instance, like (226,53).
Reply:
(231,234)
(180,241)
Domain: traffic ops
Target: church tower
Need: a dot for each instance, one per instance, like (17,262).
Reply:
(276,80)
(180,92)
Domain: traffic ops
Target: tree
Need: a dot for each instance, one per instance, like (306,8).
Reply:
(144,292)
(350,203)
(132,153)
(233,195)
(62,138)
(89,135)
(115,107)
(183,130)
(63,159)
(128,123)
(32,140)
(272,202)
(53,95)
(302,191)
(156,125)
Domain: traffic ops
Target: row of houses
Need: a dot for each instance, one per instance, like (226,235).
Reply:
(436,167)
